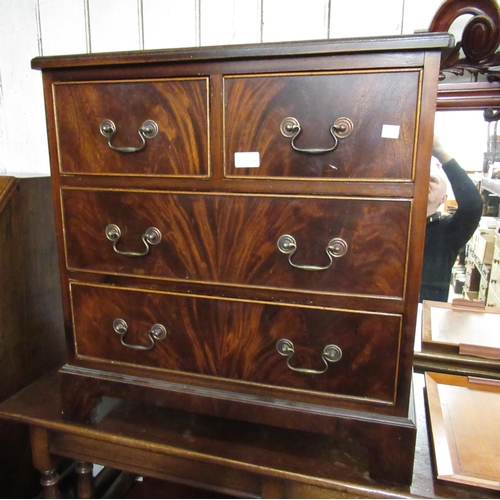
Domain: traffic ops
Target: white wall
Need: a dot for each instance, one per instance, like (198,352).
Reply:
(29,28)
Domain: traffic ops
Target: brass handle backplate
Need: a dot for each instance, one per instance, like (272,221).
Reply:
(331,354)
(152,236)
(336,247)
(148,130)
(341,128)
(156,332)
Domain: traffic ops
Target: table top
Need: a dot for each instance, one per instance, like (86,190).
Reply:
(436,359)
(310,459)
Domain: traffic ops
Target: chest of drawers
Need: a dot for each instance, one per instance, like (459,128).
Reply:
(241,230)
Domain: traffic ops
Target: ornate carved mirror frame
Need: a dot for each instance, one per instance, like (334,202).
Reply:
(475,55)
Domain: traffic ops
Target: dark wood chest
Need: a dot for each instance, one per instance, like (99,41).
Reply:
(241,231)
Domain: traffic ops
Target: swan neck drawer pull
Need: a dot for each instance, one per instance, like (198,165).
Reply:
(331,354)
(148,130)
(157,332)
(341,128)
(152,236)
(336,247)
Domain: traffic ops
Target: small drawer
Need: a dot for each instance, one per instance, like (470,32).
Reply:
(355,125)
(353,354)
(484,247)
(298,243)
(494,284)
(493,299)
(483,289)
(157,127)
(496,253)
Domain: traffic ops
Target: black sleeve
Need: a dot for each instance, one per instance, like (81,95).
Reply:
(465,220)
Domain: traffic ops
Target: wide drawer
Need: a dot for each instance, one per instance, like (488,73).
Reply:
(86,143)
(240,340)
(281,126)
(341,245)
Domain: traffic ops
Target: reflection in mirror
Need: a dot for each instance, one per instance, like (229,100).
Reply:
(465,135)
(469,87)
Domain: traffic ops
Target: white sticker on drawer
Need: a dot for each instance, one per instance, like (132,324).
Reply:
(249,159)
(390,131)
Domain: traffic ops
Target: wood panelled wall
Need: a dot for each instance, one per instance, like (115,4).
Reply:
(29,28)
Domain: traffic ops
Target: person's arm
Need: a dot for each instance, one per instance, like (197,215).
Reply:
(466,193)
(439,151)
(469,201)
(470,204)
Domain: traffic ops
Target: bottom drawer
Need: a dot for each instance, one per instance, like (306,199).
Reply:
(352,354)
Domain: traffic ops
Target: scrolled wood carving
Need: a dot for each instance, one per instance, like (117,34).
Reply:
(480,37)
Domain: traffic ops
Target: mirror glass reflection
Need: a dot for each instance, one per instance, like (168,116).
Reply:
(470,140)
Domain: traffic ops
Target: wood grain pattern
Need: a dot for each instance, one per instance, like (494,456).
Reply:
(464,434)
(255,107)
(351,46)
(237,340)
(31,334)
(448,326)
(235,459)
(179,107)
(31,327)
(163,442)
(221,239)
(220,233)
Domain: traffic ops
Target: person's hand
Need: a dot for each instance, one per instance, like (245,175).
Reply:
(439,151)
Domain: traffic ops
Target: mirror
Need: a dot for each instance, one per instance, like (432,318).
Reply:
(464,134)
(469,85)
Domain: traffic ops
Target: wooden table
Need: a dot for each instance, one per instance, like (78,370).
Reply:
(234,458)
(445,356)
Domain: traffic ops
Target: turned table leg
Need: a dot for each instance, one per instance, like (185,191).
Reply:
(85,486)
(44,462)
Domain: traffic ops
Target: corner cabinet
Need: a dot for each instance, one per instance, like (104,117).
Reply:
(241,231)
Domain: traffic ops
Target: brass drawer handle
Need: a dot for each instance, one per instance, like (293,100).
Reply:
(341,128)
(331,354)
(152,236)
(157,332)
(148,130)
(336,247)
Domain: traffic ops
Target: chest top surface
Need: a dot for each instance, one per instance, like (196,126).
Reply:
(422,41)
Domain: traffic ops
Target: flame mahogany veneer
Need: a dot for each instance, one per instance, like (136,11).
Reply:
(222,180)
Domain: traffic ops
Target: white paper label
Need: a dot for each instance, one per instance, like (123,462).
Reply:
(248,159)
(390,131)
